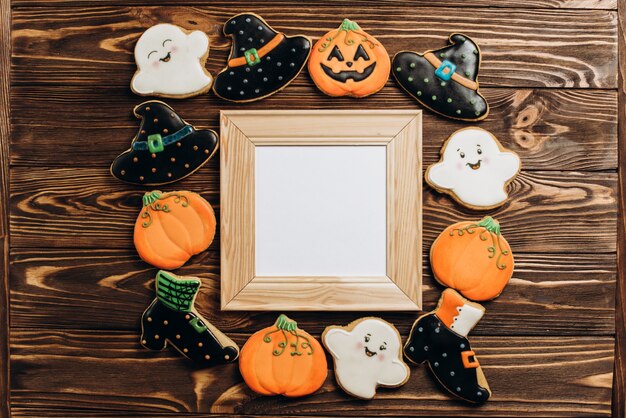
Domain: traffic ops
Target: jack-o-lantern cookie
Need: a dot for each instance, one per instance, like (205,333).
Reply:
(473,258)
(261,62)
(444,80)
(475,169)
(172,318)
(349,62)
(367,354)
(166,148)
(440,338)
(170,62)
(172,227)
(283,360)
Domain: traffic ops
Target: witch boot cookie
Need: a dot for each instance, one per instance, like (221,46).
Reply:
(444,80)
(261,62)
(440,338)
(171,318)
(166,148)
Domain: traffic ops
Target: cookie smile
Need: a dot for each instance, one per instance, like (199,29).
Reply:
(343,76)
(474,166)
(166,58)
(369,353)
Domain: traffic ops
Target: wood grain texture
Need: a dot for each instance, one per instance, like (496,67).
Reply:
(109,289)
(88,208)
(521,48)
(108,372)
(356,4)
(550,129)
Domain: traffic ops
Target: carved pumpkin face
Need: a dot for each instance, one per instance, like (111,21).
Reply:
(348,61)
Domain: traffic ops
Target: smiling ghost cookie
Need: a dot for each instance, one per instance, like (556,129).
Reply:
(262,61)
(348,61)
(475,169)
(170,62)
(172,319)
(444,80)
(440,338)
(367,354)
(166,148)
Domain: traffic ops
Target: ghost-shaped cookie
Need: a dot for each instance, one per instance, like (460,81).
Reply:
(475,169)
(367,354)
(170,62)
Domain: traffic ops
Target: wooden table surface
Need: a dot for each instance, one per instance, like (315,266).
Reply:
(74,289)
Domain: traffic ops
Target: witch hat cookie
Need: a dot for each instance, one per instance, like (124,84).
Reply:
(170,62)
(166,148)
(172,318)
(261,62)
(440,338)
(444,80)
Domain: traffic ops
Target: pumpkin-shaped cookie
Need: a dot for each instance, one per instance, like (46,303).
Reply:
(473,258)
(283,360)
(349,62)
(172,227)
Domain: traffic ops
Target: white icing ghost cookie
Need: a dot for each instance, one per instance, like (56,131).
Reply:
(475,169)
(367,354)
(170,62)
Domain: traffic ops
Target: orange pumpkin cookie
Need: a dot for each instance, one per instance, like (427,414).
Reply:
(172,227)
(283,360)
(349,62)
(473,258)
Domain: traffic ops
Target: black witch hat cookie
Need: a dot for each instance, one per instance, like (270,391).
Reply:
(172,318)
(165,149)
(440,338)
(444,80)
(262,61)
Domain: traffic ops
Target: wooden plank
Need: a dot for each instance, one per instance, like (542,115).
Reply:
(522,48)
(619,382)
(88,208)
(75,372)
(108,289)
(549,129)
(251,6)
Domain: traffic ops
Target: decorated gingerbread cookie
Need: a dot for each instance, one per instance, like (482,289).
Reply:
(367,354)
(349,62)
(283,360)
(171,318)
(440,338)
(473,258)
(475,169)
(166,148)
(170,62)
(172,227)
(444,80)
(262,61)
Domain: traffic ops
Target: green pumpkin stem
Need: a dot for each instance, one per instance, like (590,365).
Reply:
(151,197)
(490,225)
(349,25)
(286,324)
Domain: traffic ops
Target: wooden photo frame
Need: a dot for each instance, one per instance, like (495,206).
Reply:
(376,158)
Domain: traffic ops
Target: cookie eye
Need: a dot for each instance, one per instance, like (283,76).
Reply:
(335,53)
(360,53)
(167,40)
(151,52)
(367,339)
(479,151)
(462,155)
(382,347)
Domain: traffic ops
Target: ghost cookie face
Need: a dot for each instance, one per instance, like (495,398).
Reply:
(475,169)
(349,62)
(262,61)
(367,354)
(444,80)
(170,63)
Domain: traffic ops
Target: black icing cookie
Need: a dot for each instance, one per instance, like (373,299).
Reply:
(444,80)
(171,318)
(165,149)
(262,61)
(439,338)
